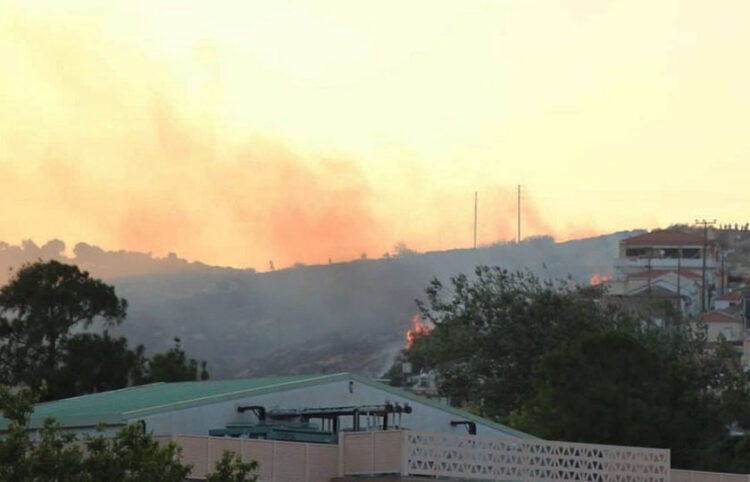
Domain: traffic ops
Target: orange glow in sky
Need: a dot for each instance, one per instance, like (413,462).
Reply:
(238,132)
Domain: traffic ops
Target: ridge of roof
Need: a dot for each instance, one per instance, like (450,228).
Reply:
(298,382)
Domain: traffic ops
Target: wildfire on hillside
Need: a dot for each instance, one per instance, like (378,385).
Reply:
(419,328)
(599,278)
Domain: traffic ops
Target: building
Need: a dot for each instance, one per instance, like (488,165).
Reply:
(730,300)
(196,408)
(723,324)
(668,265)
(342,428)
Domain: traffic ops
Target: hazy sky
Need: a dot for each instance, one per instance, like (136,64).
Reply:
(242,132)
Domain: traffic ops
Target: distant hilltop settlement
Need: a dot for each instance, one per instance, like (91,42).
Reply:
(699,273)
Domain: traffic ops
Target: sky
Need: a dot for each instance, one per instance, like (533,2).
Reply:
(239,133)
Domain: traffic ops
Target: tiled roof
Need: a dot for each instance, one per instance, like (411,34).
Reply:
(665,237)
(731,296)
(719,316)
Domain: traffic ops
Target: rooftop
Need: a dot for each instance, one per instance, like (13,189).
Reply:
(731,296)
(118,407)
(665,237)
(719,316)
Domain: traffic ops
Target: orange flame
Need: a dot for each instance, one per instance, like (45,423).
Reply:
(597,279)
(419,328)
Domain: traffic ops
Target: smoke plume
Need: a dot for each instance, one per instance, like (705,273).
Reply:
(105,141)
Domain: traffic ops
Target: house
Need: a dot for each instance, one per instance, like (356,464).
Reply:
(668,265)
(732,299)
(723,324)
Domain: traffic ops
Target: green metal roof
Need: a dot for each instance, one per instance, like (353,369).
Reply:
(120,406)
(442,406)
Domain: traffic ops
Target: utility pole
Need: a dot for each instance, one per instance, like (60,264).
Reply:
(723,255)
(679,265)
(705,224)
(476,194)
(518,239)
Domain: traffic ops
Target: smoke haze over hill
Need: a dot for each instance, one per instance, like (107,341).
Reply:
(341,316)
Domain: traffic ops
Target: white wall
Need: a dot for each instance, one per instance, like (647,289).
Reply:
(198,420)
(731,330)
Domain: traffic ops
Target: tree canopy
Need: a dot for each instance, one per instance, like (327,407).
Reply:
(131,455)
(562,362)
(45,311)
(492,329)
(39,309)
(174,366)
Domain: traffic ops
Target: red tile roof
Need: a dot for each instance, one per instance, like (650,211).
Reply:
(718,316)
(731,296)
(665,237)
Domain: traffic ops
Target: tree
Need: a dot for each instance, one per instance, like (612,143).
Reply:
(492,330)
(44,310)
(561,362)
(97,362)
(174,366)
(652,387)
(39,308)
(231,468)
(131,455)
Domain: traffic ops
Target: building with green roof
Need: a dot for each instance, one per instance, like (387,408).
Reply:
(195,408)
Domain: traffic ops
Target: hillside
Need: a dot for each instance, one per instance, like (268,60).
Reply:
(346,316)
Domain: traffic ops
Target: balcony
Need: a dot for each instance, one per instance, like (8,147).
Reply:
(663,263)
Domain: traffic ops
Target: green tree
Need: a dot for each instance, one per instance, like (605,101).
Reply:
(491,331)
(561,362)
(653,387)
(96,362)
(57,456)
(131,455)
(231,468)
(39,308)
(44,310)
(174,366)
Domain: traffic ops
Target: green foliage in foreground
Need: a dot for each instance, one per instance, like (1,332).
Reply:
(231,468)
(131,455)
(561,362)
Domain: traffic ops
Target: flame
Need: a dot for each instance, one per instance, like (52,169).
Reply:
(597,279)
(419,328)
